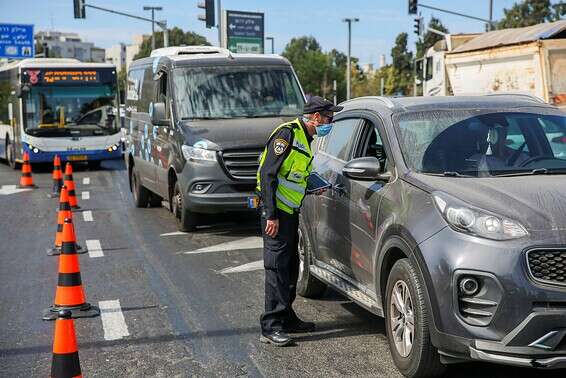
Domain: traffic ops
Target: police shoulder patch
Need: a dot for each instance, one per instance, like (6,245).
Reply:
(280,146)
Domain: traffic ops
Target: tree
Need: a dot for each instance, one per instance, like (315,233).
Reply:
(310,63)
(430,38)
(177,37)
(400,78)
(531,12)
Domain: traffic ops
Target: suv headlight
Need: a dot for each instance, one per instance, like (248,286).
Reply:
(468,219)
(196,153)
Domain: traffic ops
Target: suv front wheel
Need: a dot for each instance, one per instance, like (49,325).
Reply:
(406,320)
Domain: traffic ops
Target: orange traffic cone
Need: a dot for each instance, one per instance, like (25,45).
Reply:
(70,184)
(70,295)
(65,362)
(26,181)
(57,177)
(63,213)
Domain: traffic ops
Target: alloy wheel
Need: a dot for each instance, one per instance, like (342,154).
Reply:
(402,318)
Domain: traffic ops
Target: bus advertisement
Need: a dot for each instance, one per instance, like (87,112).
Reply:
(59,107)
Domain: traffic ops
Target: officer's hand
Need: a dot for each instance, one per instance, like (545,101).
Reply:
(272,227)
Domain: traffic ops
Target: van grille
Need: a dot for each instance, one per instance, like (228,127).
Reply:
(241,164)
(548,266)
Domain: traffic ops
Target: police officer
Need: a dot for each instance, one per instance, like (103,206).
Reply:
(282,180)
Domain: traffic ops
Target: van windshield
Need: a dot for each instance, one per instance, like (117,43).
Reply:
(236,91)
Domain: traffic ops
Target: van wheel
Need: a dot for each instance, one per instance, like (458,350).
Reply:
(308,286)
(10,154)
(406,322)
(186,219)
(139,192)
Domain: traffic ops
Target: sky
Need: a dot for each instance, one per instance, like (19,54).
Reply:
(380,20)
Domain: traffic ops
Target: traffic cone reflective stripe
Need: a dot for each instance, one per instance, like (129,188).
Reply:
(70,184)
(64,212)
(26,181)
(57,176)
(70,294)
(65,362)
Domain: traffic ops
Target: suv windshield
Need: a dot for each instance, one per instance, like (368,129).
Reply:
(228,92)
(56,111)
(482,143)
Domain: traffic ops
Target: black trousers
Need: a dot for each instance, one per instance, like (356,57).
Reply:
(281,262)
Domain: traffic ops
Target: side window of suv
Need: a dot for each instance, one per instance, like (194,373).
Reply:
(339,142)
(371,144)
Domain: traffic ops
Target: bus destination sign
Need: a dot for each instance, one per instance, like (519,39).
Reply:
(48,77)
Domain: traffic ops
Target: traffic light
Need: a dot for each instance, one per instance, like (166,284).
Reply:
(79,7)
(208,17)
(418,28)
(413,6)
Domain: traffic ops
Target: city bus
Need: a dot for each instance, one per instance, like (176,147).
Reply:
(59,107)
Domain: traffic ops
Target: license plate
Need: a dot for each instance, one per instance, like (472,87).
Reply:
(77,157)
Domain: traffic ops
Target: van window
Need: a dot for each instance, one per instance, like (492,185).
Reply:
(236,91)
(162,92)
(147,91)
(134,85)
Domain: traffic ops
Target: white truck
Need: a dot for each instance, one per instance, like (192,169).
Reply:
(530,60)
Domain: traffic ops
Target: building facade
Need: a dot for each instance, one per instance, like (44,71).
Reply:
(69,45)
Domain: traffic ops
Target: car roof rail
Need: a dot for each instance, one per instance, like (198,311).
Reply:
(190,50)
(521,95)
(385,100)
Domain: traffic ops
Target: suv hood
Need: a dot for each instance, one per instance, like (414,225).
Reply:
(538,202)
(232,133)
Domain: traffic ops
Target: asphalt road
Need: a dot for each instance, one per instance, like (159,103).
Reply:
(184,314)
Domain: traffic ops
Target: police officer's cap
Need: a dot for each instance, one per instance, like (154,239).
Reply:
(318,104)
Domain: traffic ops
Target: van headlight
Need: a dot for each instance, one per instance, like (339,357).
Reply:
(196,153)
(468,219)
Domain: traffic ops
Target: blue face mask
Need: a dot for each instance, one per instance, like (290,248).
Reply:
(323,130)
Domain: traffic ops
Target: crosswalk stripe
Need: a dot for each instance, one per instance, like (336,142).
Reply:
(86,180)
(252,242)
(249,267)
(175,233)
(113,321)
(85,195)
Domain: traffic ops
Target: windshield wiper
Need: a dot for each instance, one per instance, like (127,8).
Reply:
(537,171)
(449,174)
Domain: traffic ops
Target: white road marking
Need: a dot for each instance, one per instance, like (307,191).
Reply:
(94,248)
(86,180)
(87,216)
(175,233)
(11,189)
(253,242)
(249,267)
(113,320)
(85,195)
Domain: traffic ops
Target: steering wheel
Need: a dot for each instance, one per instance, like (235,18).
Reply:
(535,159)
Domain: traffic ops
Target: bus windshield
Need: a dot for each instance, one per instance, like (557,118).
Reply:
(57,111)
(228,92)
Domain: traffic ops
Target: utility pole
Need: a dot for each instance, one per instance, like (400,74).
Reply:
(152,9)
(272,44)
(349,65)
(490,26)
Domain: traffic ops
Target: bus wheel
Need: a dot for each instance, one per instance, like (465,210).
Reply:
(10,154)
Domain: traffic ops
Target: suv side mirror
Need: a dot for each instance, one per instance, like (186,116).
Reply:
(157,111)
(365,168)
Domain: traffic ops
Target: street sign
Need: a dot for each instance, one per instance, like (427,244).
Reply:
(16,41)
(244,32)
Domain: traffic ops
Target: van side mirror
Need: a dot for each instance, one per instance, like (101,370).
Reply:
(365,169)
(157,111)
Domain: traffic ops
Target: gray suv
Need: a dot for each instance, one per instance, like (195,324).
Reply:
(448,218)
(196,121)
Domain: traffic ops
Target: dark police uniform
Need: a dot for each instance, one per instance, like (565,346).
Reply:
(280,254)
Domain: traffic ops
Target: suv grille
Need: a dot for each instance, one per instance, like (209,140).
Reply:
(548,265)
(241,164)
